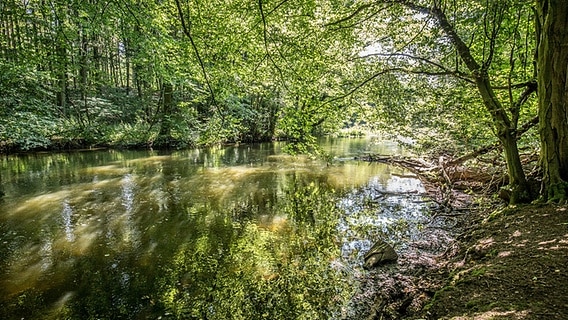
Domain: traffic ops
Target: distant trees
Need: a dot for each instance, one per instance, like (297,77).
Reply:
(122,73)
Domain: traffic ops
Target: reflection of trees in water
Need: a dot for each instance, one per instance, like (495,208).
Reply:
(172,234)
(240,269)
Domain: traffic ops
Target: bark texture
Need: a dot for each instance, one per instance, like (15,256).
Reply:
(552,61)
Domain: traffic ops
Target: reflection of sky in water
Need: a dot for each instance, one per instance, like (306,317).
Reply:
(390,210)
(127,192)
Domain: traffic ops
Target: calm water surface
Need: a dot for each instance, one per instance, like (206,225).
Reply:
(242,232)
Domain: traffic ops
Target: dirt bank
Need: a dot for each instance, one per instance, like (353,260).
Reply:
(508,264)
(512,265)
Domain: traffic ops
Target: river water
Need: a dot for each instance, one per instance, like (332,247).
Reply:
(238,232)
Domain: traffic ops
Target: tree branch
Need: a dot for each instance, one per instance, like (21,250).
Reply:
(362,84)
(445,71)
(265,38)
(496,23)
(353,14)
(486,149)
(276,7)
(187,32)
(516,85)
(516,107)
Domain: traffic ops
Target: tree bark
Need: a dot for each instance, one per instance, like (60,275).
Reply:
(552,63)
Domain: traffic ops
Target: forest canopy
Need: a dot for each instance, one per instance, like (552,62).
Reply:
(445,74)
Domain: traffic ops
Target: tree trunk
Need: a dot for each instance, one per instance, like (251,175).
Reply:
(506,129)
(165,134)
(506,132)
(552,62)
(61,70)
(127,59)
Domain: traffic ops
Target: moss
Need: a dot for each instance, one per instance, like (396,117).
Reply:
(473,305)
(478,272)
(481,305)
(496,214)
(558,193)
(437,296)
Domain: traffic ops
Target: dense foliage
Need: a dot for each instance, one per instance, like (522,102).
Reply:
(174,74)
(183,73)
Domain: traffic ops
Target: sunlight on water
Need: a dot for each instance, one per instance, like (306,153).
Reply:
(67,224)
(38,205)
(127,193)
(197,233)
(88,233)
(107,170)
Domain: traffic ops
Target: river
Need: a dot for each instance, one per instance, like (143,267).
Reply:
(237,232)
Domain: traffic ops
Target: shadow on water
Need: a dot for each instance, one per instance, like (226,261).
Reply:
(224,233)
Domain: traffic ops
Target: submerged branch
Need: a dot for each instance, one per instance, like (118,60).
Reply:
(446,179)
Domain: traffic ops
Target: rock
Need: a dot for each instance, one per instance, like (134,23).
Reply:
(380,253)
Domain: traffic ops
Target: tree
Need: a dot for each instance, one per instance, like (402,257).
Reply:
(552,57)
(483,44)
(505,125)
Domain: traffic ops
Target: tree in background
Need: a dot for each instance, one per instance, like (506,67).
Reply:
(180,73)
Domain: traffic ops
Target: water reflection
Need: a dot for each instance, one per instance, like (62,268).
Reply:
(221,233)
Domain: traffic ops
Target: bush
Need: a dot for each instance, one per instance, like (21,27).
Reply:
(27,116)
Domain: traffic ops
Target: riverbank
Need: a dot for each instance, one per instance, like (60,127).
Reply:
(511,263)
(500,262)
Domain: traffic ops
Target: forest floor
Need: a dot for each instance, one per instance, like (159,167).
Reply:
(513,264)
(508,264)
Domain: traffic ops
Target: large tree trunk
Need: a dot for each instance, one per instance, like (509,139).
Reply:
(552,61)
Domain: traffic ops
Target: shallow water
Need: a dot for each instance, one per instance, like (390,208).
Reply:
(240,232)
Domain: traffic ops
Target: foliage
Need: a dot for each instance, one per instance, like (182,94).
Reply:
(27,119)
(456,72)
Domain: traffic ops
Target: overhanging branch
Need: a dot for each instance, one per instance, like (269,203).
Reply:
(265,37)
(351,16)
(444,71)
(486,149)
(383,72)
